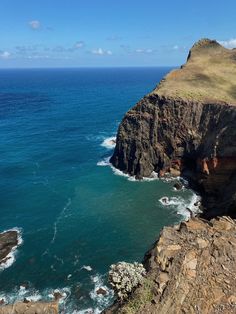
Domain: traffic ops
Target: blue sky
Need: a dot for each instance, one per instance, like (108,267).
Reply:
(74,33)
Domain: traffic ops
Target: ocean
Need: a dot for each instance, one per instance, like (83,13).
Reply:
(76,214)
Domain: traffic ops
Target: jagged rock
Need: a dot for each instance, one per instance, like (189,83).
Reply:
(187,125)
(192,268)
(178,186)
(8,240)
(101,291)
(57,295)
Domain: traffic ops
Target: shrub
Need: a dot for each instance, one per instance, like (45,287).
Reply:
(124,277)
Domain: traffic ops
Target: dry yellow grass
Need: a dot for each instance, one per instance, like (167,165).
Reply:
(209,75)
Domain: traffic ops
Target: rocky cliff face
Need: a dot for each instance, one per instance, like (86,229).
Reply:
(191,269)
(186,125)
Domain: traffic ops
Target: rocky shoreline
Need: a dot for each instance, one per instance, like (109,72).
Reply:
(191,269)
(9,242)
(30,308)
(186,127)
(189,133)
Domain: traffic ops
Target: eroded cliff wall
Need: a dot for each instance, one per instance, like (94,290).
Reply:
(183,125)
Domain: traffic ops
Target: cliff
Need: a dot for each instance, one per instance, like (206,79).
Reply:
(191,270)
(187,124)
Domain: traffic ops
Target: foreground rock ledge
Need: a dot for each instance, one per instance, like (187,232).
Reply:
(191,269)
(30,308)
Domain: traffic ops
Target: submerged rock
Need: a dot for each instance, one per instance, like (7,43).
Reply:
(178,186)
(101,291)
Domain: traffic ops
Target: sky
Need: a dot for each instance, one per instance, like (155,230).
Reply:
(108,33)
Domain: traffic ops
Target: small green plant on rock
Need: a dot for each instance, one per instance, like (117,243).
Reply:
(124,277)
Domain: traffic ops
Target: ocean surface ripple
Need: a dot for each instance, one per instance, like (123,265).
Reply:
(57,129)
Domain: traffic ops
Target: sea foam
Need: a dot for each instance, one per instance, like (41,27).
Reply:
(18,294)
(106,162)
(101,301)
(181,205)
(109,142)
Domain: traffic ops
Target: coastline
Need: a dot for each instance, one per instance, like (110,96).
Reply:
(188,129)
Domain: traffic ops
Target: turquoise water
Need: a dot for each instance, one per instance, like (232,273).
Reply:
(71,211)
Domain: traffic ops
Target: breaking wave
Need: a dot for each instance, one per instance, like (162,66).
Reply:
(182,206)
(109,142)
(106,162)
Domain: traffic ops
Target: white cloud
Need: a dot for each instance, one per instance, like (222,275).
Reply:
(176,47)
(231,43)
(79,44)
(38,57)
(114,37)
(144,50)
(35,24)
(5,54)
(101,52)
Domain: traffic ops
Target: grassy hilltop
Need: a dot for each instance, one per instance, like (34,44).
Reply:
(209,75)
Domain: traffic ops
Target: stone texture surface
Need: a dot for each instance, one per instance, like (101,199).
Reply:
(30,308)
(192,267)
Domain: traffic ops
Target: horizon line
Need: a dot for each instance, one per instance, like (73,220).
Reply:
(89,67)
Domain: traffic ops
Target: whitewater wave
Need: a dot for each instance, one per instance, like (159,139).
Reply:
(106,163)
(29,293)
(109,142)
(182,206)
(100,301)
(11,257)
(87,267)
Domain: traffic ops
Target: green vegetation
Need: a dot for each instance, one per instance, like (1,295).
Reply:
(209,75)
(141,297)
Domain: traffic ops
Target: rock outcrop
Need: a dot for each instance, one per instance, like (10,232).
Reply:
(191,269)
(30,308)
(8,241)
(187,126)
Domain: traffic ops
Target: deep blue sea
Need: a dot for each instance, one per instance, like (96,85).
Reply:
(74,210)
